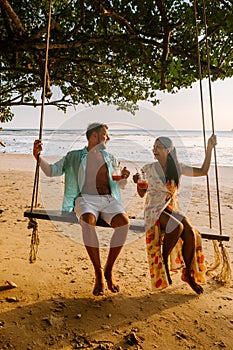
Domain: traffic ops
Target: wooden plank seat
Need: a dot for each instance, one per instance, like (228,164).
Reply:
(70,217)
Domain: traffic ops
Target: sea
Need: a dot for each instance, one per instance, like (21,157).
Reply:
(131,145)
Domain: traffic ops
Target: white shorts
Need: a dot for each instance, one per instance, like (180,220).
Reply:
(104,206)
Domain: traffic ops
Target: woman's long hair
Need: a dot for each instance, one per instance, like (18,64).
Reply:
(172,166)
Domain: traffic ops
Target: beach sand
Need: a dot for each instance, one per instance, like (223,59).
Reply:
(53,306)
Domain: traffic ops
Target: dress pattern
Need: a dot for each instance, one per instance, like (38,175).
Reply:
(160,196)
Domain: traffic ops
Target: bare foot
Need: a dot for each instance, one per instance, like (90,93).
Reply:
(99,283)
(169,279)
(168,273)
(110,282)
(196,287)
(190,280)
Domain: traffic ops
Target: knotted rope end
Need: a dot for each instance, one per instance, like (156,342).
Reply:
(32,224)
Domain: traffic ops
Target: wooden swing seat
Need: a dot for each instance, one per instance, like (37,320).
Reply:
(70,217)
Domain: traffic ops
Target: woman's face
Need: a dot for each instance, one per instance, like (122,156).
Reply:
(160,151)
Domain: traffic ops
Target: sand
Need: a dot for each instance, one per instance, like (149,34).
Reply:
(52,306)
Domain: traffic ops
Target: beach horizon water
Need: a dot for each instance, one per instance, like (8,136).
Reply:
(132,145)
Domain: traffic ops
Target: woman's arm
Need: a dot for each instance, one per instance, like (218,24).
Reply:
(203,170)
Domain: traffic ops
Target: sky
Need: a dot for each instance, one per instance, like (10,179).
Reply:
(180,111)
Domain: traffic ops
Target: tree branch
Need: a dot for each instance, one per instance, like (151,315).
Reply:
(168,29)
(22,45)
(81,21)
(13,16)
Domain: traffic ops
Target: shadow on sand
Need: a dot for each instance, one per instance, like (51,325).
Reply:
(63,323)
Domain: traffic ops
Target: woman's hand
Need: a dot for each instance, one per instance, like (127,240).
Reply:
(212,142)
(140,189)
(203,170)
(135,178)
(125,173)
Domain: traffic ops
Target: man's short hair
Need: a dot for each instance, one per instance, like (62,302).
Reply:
(94,127)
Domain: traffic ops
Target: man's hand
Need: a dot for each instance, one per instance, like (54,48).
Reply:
(45,166)
(37,148)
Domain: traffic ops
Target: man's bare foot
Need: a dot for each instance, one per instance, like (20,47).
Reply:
(99,283)
(190,280)
(110,281)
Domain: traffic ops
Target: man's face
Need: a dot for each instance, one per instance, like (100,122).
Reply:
(102,136)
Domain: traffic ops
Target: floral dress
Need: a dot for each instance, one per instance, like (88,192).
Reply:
(160,196)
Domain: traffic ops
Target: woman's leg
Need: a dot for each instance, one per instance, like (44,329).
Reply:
(173,229)
(188,250)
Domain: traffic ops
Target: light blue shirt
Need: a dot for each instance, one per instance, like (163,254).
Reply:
(73,166)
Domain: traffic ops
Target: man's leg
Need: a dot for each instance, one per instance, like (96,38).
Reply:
(90,239)
(120,223)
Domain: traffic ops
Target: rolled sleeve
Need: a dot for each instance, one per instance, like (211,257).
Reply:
(57,169)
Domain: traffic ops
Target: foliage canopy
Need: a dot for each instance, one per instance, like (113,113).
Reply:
(111,51)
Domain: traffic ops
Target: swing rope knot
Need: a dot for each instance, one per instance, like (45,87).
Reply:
(34,240)
(222,261)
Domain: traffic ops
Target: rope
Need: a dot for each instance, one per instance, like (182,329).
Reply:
(32,222)
(202,108)
(225,275)
(212,114)
(36,179)
(34,240)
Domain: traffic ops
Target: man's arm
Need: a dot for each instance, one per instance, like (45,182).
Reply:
(45,166)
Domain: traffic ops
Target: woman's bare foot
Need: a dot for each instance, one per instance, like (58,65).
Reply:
(110,281)
(168,273)
(186,277)
(99,283)
(169,279)
(196,287)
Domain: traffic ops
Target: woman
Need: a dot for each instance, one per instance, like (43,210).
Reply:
(169,234)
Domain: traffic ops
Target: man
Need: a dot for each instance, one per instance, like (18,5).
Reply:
(91,192)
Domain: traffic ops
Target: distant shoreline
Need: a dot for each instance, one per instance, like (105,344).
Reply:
(129,145)
(112,129)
